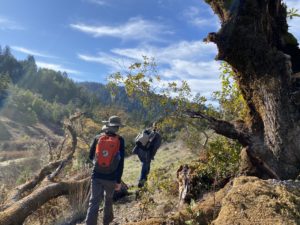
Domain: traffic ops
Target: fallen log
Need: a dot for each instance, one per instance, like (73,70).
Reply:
(18,212)
(51,170)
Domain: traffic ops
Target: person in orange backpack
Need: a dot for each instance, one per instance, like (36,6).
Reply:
(107,152)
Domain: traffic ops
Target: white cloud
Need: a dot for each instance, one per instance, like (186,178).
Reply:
(56,67)
(134,29)
(192,51)
(116,63)
(192,70)
(181,60)
(203,22)
(191,61)
(198,18)
(31,52)
(294,24)
(204,87)
(7,24)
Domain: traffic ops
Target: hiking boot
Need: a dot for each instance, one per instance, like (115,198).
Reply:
(141,183)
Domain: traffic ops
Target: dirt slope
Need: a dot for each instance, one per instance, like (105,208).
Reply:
(255,201)
(17,137)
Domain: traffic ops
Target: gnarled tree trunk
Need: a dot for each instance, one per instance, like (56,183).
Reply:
(255,41)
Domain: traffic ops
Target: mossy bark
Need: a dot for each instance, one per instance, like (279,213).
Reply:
(253,41)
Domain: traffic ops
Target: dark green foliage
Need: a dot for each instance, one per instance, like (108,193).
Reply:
(51,85)
(18,107)
(131,104)
(28,94)
(9,65)
(4,85)
(223,157)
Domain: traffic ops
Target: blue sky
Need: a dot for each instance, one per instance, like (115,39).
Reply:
(89,39)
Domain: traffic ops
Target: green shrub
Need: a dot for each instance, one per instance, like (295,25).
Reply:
(223,157)
(221,164)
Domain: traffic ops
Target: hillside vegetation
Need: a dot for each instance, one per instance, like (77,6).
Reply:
(29,95)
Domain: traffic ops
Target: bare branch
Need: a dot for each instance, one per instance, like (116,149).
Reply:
(61,148)
(223,127)
(75,116)
(50,149)
(73,148)
(206,139)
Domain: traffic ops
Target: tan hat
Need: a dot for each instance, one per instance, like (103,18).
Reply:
(113,121)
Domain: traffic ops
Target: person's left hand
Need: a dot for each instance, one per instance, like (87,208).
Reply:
(118,187)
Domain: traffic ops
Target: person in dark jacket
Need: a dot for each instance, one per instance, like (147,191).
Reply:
(146,153)
(103,185)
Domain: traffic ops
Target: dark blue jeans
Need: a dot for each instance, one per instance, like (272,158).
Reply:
(145,170)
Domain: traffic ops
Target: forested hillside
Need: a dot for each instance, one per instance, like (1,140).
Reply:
(29,94)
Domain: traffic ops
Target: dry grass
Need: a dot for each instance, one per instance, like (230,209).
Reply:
(149,222)
(169,155)
(255,201)
(9,155)
(49,213)
(14,172)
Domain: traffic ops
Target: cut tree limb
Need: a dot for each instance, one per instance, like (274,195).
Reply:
(17,193)
(17,213)
(57,166)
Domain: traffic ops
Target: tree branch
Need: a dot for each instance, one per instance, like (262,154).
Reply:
(73,148)
(206,139)
(58,155)
(223,127)
(50,149)
(17,213)
(18,192)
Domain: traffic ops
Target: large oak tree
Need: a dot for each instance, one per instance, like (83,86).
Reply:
(255,41)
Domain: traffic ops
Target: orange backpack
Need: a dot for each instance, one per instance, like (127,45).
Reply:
(107,153)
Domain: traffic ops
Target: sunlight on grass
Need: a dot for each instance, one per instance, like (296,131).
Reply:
(169,155)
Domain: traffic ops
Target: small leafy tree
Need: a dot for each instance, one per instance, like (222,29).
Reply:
(143,81)
(232,103)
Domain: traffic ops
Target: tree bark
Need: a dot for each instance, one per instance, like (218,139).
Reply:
(17,213)
(255,41)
